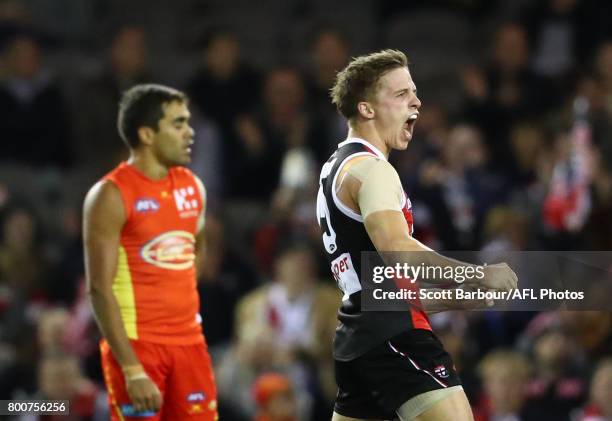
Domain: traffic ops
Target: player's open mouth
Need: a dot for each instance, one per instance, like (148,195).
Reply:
(410,123)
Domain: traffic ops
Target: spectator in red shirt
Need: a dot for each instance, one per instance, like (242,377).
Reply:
(274,397)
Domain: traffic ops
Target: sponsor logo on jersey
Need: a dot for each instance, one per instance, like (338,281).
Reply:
(146,204)
(173,250)
(441,371)
(186,202)
(196,397)
(344,272)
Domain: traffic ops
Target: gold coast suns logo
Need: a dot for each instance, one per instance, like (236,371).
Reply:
(173,250)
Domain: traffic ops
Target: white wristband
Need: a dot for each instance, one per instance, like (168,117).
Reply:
(137,376)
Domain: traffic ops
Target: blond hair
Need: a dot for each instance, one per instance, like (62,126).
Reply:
(507,360)
(359,79)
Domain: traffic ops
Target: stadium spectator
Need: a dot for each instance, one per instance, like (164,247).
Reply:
(23,268)
(225,88)
(33,113)
(99,147)
(60,378)
(284,123)
(225,277)
(503,91)
(591,330)
(505,375)
(329,53)
(557,385)
(275,398)
(600,406)
(222,78)
(52,324)
(462,182)
(286,325)
(555,35)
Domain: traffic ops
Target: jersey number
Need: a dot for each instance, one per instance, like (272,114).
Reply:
(329,235)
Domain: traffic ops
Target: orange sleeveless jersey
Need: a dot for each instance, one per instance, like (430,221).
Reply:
(155,283)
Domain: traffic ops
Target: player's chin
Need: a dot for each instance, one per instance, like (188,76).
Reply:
(403,140)
(184,159)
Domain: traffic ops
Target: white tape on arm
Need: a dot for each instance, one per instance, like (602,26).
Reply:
(381,188)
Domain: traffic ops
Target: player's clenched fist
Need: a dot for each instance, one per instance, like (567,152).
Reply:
(143,392)
(499,277)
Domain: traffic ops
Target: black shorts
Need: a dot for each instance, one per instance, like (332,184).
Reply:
(376,384)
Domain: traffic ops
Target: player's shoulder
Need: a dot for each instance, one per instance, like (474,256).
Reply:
(182,171)
(372,165)
(358,159)
(121,176)
(103,188)
(103,194)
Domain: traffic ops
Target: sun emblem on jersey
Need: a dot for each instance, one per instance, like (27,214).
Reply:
(173,250)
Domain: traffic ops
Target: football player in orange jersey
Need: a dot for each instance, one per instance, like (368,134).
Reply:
(142,224)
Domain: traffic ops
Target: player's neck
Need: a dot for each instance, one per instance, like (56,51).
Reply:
(369,134)
(150,167)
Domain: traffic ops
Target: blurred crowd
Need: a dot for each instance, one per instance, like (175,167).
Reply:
(512,152)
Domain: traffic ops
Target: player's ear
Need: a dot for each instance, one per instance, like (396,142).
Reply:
(365,110)
(146,134)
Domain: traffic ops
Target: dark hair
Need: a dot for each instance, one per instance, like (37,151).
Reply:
(20,204)
(292,244)
(326,29)
(213,34)
(358,80)
(141,106)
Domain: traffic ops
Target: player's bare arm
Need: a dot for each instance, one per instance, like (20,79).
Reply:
(387,227)
(103,219)
(388,232)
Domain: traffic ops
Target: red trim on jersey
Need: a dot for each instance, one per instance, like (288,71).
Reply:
(417,315)
(370,150)
(420,319)
(409,219)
